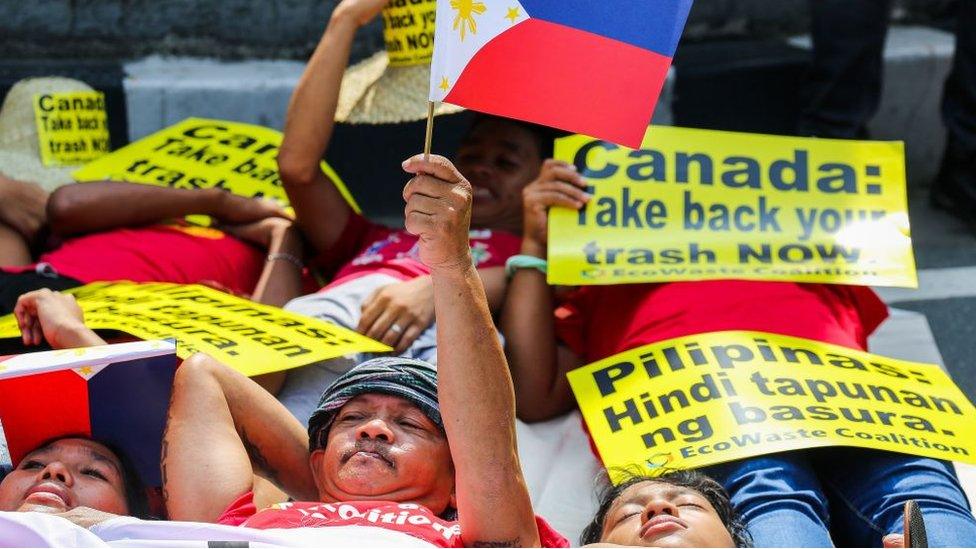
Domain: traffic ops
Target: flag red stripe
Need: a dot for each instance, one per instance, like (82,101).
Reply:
(563,77)
(36,408)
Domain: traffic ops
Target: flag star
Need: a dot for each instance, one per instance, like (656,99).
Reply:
(513,14)
(85,370)
(445,84)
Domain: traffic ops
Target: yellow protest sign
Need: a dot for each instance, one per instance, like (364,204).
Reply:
(200,153)
(408,30)
(252,338)
(699,204)
(72,127)
(709,398)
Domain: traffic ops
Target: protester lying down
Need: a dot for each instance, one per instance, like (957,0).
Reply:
(397,452)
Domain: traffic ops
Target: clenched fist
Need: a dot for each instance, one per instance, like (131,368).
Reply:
(439,212)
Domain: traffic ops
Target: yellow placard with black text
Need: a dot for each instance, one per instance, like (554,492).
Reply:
(408,31)
(709,398)
(706,205)
(252,338)
(72,127)
(200,153)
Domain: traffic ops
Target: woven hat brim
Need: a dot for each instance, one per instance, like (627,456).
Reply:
(19,146)
(28,167)
(373,92)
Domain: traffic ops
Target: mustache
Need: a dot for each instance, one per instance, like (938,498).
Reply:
(381,449)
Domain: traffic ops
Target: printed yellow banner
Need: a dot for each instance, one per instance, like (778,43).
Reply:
(252,338)
(200,153)
(408,30)
(699,205)
(709,398)
(72,128)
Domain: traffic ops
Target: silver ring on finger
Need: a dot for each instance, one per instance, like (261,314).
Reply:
(395,328)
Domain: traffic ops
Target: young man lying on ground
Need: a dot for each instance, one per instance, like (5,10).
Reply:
(676,509)
(786,499)
(397,451)
(381,288)
(124,231)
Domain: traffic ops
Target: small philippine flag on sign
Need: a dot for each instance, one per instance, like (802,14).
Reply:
(115,394)
(588,66)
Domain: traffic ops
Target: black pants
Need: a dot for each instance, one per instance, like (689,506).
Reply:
(843,89)
(13,285)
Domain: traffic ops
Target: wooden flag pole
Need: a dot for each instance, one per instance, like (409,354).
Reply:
(430,130)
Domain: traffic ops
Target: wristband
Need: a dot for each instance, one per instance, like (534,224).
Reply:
(287,257)
(517,262)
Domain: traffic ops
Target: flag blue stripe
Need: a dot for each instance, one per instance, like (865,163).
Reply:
(654,25)
(128,403)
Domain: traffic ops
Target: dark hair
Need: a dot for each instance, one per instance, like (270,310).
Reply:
(136,498)
(544,135)
(711,490)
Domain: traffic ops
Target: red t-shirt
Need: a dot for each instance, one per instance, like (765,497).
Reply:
(160,253)
(600,321)
(378,249)
(409,518)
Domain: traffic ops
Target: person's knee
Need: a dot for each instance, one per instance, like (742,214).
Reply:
(197,371)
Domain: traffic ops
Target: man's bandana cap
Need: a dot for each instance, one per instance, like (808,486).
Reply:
(413,380)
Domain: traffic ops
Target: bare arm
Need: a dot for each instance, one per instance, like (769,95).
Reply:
(474,387)
(321,210)
(281,278)
(538,363)
(102,205)
(223,429)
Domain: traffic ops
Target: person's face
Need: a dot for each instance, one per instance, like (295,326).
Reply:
(499,158)
(69,473)
(383,447)
(655,514)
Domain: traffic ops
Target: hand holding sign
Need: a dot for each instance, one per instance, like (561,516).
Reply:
(558,184)
(439,212)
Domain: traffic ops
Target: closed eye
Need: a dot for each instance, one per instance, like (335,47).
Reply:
(32,464)
(95,473)
(350,417)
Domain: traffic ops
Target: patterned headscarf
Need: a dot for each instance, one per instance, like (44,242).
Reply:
(413,380)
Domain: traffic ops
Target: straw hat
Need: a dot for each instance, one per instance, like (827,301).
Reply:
(373,92)
(20,155)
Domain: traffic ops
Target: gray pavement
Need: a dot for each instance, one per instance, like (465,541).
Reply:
(945,251)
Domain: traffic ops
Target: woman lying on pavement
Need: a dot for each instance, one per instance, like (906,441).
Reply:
(799,498)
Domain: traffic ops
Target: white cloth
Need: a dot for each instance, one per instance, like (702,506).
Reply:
(42,530)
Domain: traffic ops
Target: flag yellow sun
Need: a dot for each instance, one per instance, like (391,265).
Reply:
(466,10)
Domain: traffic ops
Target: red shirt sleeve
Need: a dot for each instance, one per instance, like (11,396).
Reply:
(569,320)
(238,511)
(548,536)
(358,233)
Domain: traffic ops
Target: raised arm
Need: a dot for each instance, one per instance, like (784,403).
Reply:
(103,205)
(538,363)
(474,388)
(223,429)
(321,210)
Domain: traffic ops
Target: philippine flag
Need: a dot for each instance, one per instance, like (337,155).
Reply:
(116,394)
(594,67)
